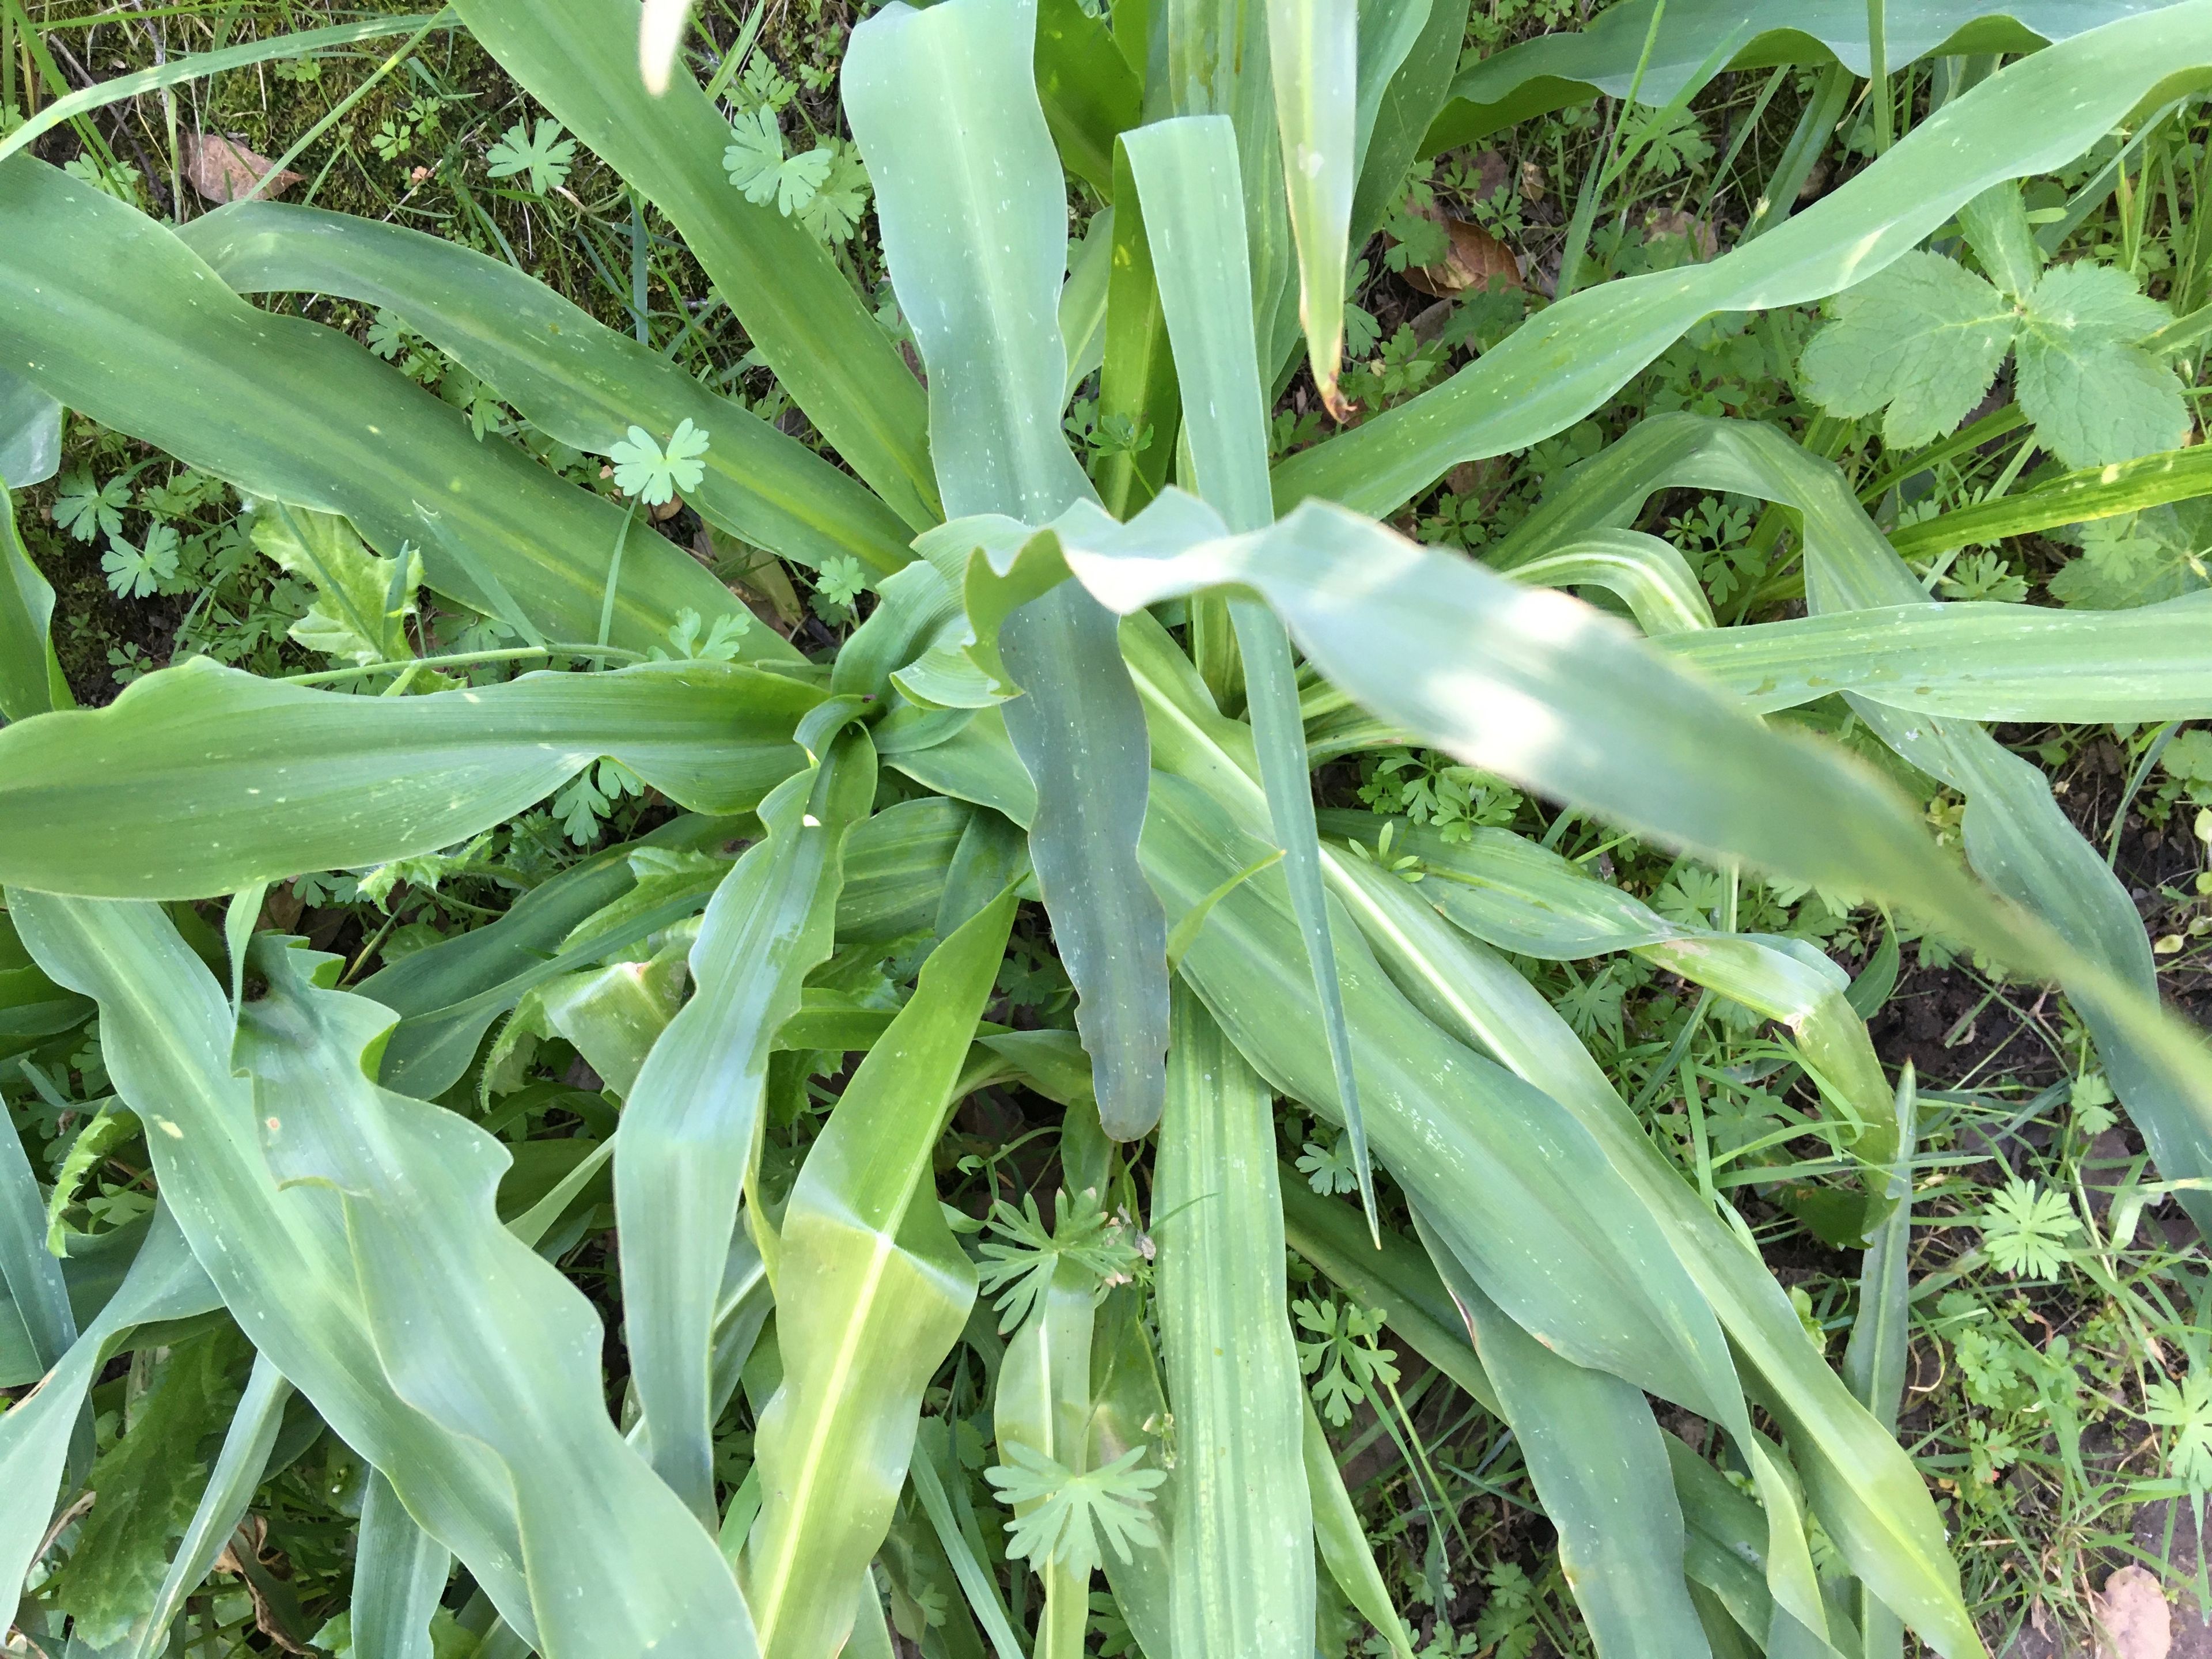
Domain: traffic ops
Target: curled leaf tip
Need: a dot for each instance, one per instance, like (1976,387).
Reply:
(1340,408)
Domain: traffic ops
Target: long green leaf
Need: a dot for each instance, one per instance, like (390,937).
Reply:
(973,219)
(870,1294)
(476,1331)
(1187,174)
(1991,662)
(1554,70)
(164,1283)
(280,1258)
(277,48)
(571,376)
(29,1271)
(1312,51)
(1599,1463)
(399,1572)
(1340,1538)
(1875,1359)
(690,1120)
(578,58)
(2015,834)
(276,778)
(1241,1541)
(1405,106)
(30,433)
(1089,92)
(30,678)
(115,316)
(2102,492)
(1577,354)
(1137,377)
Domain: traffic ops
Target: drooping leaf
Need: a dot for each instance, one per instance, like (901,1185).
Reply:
(277,779)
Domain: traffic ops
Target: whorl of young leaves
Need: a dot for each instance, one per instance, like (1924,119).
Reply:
(1072,1508)
(1020,1272)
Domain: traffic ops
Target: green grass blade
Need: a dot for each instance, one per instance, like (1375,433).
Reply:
(30,433)
(474,1330)
(1554,71)
(578,58)
(195,66)
(164,1283)
(1404,107)
(124,323)
(974,220)
(1082,301)
(30,678)
(1875,1359)
(1577,354)
(1242,1544)
(691,1120)
(870,1294)
(1137,377)
(399,1572)
(31,1272)
(570,375)
(1342,1542)
(1599,1463)
(1313,50)
(2102,492)
(1974,661)
(1647,574)
(1089,92)
(1187,174)
(229,1493)
(277,779)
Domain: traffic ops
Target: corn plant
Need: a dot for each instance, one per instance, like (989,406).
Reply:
(1103,690)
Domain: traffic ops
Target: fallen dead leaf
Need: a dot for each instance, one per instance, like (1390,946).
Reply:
(1476,257)
(222,170)
(2133,1621)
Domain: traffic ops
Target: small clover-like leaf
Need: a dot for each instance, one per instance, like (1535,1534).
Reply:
(85,509)
(653,472)
(545,155)
(135,572)
(1072,1509)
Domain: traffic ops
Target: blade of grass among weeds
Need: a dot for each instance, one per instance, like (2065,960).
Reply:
(1137,377)
(112,314)
(1974,661)
(30,678)
(2101,492)
(229,1493)
(1554,71)
(278,48)
(164,1283)
(1599,1463)
(973,217)
(474,1330)
(276,778)
(1577,354)
(870,1294)
(399,1572)
(570,375)
(1313,51)
(2015,834)
(32,1274)
(1875,1358)
(1187,174)
(1342,1540)
(1241,1538)
(691,1120)
(578,58)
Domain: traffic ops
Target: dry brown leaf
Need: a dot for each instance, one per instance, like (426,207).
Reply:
(222,170)
(2133,1621)
(1476,257)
